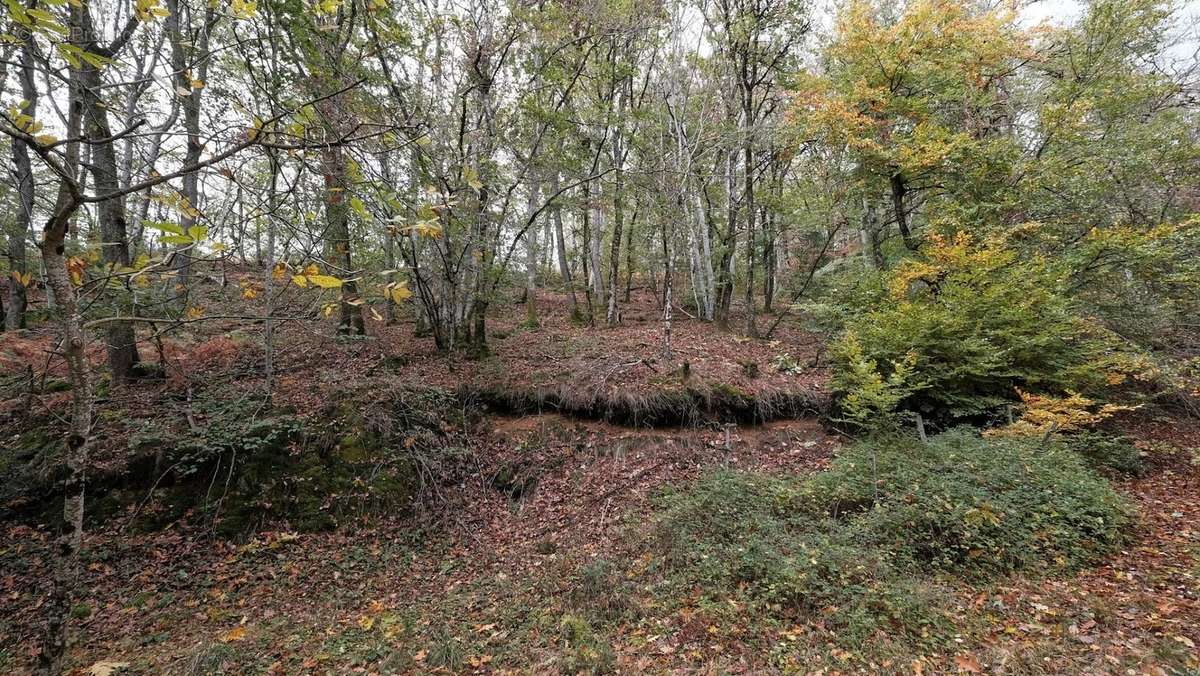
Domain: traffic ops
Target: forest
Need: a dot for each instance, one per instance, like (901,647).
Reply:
(600,336)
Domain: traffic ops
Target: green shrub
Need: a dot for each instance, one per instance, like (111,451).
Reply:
(972,322)
(863,537)
(722,524)
(736,530)
(1106,453)
(974,505)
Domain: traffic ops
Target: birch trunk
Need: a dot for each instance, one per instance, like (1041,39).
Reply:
(531,259)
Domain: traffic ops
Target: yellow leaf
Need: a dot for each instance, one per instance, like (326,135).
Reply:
(300,280)
(194,313)
(197,84)
(46,139)
(400,294)
(238,633)
(311,269)
(325,281)
(249,293)
(366,622)
(279,270)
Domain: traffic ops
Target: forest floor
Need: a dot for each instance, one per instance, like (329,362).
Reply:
(560,577)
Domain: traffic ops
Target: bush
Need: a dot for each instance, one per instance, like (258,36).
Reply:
(976,506)
(1106,453)
(973,322)
(862,537)
(735,530)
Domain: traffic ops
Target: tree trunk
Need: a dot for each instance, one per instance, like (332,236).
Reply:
(668,299)
(629,255)
(770,261)
(182,47)
(594,244)
(899,190)
(531,262)
(706,264)
(337,223)
(564,267)
(14,318)
(614,256)
(585,244)
(751,213)
(269,278)
(122,343)
(64,581)
(728,245)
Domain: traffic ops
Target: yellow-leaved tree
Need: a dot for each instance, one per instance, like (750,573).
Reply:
(920,102)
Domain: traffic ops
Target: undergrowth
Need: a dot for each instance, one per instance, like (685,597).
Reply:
(869,546)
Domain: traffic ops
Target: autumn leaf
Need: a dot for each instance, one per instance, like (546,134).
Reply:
(400,294)
(325,281)
(106,668)
(968,663)
(75,268)
(238,633)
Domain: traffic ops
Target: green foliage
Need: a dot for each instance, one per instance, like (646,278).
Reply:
(862,537)
(584,651)
(734,530)
(869,398)
(1106,452)
(972,505)
(954,333)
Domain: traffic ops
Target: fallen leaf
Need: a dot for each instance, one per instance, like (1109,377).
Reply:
(106,668)
(968,663)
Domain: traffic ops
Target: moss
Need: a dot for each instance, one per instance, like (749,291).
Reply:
(24,483)
(56,385)
(664,406)
(729,392)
